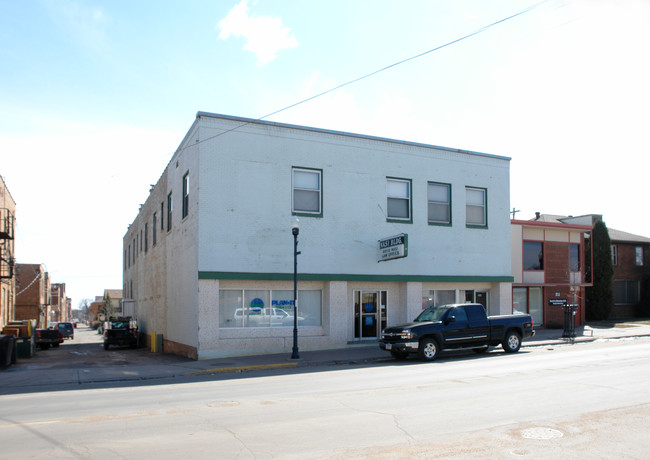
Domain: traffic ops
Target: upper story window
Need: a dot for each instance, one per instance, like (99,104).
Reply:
(169,211)
(638,256)
(614,255)
(439,203)
(146,237)
(154,226)
(574,257)
(476,207)
(398,193)
(186,194)
(307,185)
(533,255)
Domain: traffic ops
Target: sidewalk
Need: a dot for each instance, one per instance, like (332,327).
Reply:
(363,353)
(23,377)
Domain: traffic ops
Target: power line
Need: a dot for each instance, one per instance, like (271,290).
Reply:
(395,64)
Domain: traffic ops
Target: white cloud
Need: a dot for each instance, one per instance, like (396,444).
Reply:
(86,26)
(265,35)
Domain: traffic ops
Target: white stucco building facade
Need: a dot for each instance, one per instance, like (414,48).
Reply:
(208,260)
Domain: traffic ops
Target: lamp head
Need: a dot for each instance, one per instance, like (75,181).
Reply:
(295,225)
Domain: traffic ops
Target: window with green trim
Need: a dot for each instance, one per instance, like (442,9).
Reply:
(439,203)
(398,197)
(307,197)
(476,207)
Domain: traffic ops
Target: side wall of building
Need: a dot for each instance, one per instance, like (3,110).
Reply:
(160,270)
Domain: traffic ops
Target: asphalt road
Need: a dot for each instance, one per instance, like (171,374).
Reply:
(583,401)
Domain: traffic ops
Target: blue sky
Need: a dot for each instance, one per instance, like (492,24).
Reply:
(95,96)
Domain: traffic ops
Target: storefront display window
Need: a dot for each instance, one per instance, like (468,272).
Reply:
(264,308)
(438,297)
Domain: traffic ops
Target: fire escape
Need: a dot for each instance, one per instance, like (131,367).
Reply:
(7,261)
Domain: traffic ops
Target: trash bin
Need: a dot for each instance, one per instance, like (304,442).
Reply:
(7,343)
(25,347)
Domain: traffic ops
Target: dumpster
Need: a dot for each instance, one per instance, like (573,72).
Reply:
(7,344)
(25,347)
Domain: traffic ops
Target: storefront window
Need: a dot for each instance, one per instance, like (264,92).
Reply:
(255,312)
(529,301)
(520,300)
(438,297)
(230,301)
(263,308)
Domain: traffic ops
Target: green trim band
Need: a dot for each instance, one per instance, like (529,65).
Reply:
(347,277)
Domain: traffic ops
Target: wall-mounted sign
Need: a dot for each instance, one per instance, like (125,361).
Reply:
(557,302)
(394,247)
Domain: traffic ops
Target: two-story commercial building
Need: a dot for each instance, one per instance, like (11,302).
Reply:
(386,227)
(548,264)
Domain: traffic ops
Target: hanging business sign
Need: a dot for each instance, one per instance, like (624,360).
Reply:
(393,247)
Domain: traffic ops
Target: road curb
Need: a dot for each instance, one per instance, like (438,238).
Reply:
(256,367)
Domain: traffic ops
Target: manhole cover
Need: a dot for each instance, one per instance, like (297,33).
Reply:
(541,433)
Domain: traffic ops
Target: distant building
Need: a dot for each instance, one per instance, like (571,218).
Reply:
(7,255)
(387,228)
(112,302)
(33,294)
(631,261)
(60,309)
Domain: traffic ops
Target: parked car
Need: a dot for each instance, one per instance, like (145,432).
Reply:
(46,338)
(459,326)
(67,330)
(121,331)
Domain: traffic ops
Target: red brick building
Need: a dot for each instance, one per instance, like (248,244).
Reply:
(548,267)
(7,254)
(631,261)
(33,294)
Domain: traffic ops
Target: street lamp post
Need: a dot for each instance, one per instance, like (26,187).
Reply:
(295,229)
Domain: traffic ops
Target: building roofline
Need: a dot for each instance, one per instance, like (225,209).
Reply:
(538,223)
(247,121)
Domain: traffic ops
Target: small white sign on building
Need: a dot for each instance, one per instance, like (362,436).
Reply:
(393,247)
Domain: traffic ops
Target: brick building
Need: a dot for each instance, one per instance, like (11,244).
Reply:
(7,255)
(60,308)
(548,265)
(631,262)
(33,294)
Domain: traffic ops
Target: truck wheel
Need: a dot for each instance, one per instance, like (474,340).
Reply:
(428,349)
(105,346)
(399,355)
(44,346)
(511,342)
(55,345)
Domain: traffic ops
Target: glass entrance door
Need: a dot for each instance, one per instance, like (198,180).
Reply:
(369,314)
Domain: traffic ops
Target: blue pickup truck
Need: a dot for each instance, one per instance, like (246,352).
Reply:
(454,327)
